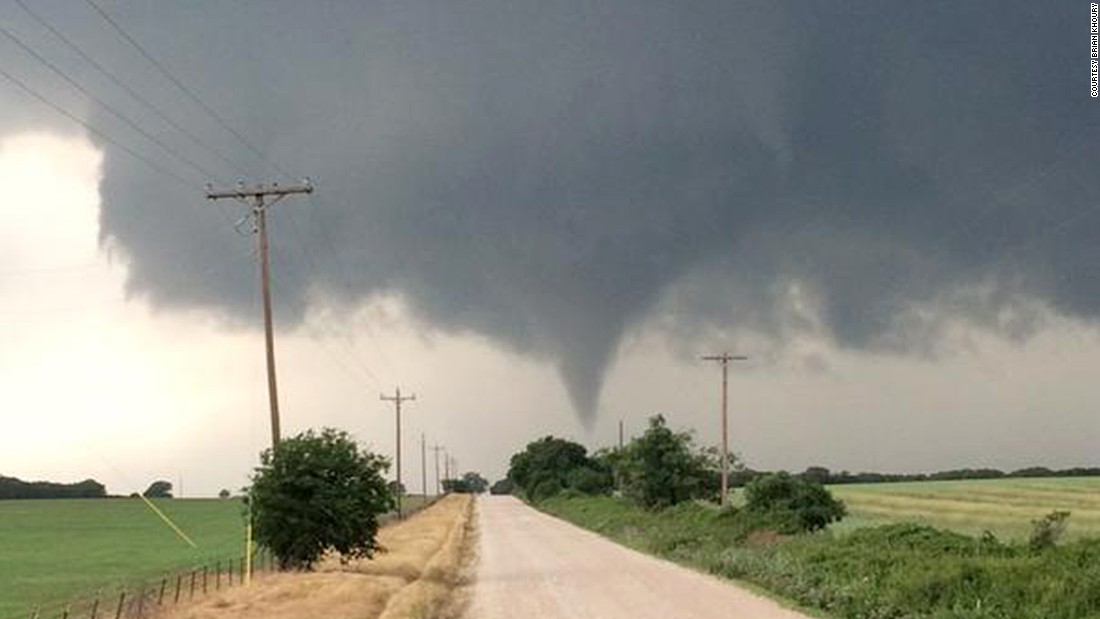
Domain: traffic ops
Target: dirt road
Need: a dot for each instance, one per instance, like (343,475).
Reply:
(534,566)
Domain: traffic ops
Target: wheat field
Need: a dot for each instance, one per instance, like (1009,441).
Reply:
(1004,507)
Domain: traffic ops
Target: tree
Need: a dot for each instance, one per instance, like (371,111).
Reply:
(794,504)
(475,483)
(817,474)
(662,467)
(470,483)
(316,492)
(13,488)
(547,464)
(159,489)
(224,494)
(502,486)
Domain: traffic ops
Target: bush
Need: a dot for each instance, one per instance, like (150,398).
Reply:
(470,483)
(588,480)
(794,504)
(159,489)
(1046,532)
(544,490)
(503,486)
(316,492)
(545,459)
(662,467)
(550,465)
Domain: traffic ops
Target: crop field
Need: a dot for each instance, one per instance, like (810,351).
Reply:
(1005,507)
(53,550)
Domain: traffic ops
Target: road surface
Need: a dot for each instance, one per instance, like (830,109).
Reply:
(534,566)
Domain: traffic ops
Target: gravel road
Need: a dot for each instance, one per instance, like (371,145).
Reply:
(534,566)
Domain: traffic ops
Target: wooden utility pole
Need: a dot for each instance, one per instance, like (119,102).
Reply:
(446,465)
(397,399)
(725,359)
(255,197)
(620,435)
(436,448)
(423,466)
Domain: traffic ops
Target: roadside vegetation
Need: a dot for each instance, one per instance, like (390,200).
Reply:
(317,492)
(781,535)
(888,572)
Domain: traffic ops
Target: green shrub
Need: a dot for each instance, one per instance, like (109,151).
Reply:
(502,486)
(316,492)
(794,504)
(662,467)
(588,480)
(544,489)
(1046,531)
(550,464)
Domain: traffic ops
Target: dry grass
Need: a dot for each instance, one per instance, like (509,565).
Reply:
(415,577)
(1003,506)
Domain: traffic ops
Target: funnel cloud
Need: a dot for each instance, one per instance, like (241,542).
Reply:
(552,175)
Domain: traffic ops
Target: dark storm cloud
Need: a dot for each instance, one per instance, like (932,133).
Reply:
(552,173)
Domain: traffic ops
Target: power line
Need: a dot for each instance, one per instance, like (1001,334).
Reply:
(311,265)
(106,106)
(189,185)
(344,271)
(346,362)
(185,90)
(125,87)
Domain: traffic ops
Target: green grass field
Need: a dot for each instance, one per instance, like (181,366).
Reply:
(1005,507)
(53,550)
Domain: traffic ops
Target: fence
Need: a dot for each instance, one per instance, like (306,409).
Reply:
(146,597)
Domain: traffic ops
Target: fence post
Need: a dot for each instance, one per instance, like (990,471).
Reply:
(218,575)
(191,595)
(204,571)
(243,567)
(160,596)
(179,581)
(95,606)
(229,572)
(141,601)
(121,600)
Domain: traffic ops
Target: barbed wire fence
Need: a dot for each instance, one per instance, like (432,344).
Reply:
(147,596)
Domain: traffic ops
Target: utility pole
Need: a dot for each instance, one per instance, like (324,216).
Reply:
(446,465)
(423,467)
(725,359)
(255,197)
(620,435)
(397,399)
(436,448)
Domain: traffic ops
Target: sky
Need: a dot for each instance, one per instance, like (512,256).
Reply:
(537,216)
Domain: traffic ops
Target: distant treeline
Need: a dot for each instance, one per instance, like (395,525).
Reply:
(825,476)
(12,488)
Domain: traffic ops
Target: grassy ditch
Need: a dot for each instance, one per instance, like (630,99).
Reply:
(898,571)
